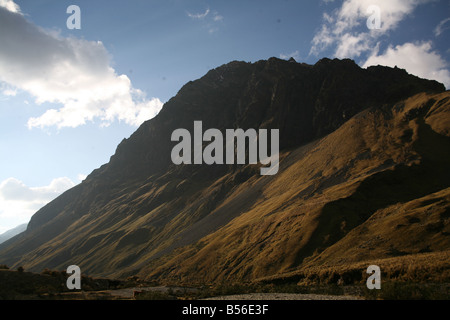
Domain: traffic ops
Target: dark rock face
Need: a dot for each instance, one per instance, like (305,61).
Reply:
(305,102)
(138,205)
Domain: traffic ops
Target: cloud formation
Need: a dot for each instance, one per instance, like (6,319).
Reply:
(18,202)
(198,15)
(346,31)
(10,6)
(74,73)
(209,18)
(416,58)
(442,26)
(342,28)
(295,55)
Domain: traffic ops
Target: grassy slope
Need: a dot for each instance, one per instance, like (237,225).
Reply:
(376,188)
(365,192)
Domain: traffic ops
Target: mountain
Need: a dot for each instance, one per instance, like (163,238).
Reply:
(363,175)
(12,232)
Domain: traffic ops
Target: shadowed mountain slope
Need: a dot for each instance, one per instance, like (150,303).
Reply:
(361,152)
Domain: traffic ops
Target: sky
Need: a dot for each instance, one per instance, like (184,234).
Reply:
(69,95)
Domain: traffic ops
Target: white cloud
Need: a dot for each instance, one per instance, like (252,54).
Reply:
(7,90)
(10,92)
(441,27)
(212,30)
(198,15)
(352,45)
(295,55)
(345,28)
(81,176)
(18,202)
(74,73)
(416,58)
(210,19)
(10,6)
(392,12)
(217,17)
(345,31)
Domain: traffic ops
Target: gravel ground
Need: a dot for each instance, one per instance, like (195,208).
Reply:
(129,292)
(284,296)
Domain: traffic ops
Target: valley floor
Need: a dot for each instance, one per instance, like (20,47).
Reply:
(285,296)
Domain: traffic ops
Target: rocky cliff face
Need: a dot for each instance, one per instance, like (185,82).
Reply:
(350,146)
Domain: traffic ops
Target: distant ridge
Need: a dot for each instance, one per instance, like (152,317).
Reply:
(12,232)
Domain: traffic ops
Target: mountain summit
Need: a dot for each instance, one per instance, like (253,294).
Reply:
(363,175)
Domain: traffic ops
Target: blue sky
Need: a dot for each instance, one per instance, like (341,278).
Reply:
(69,96)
